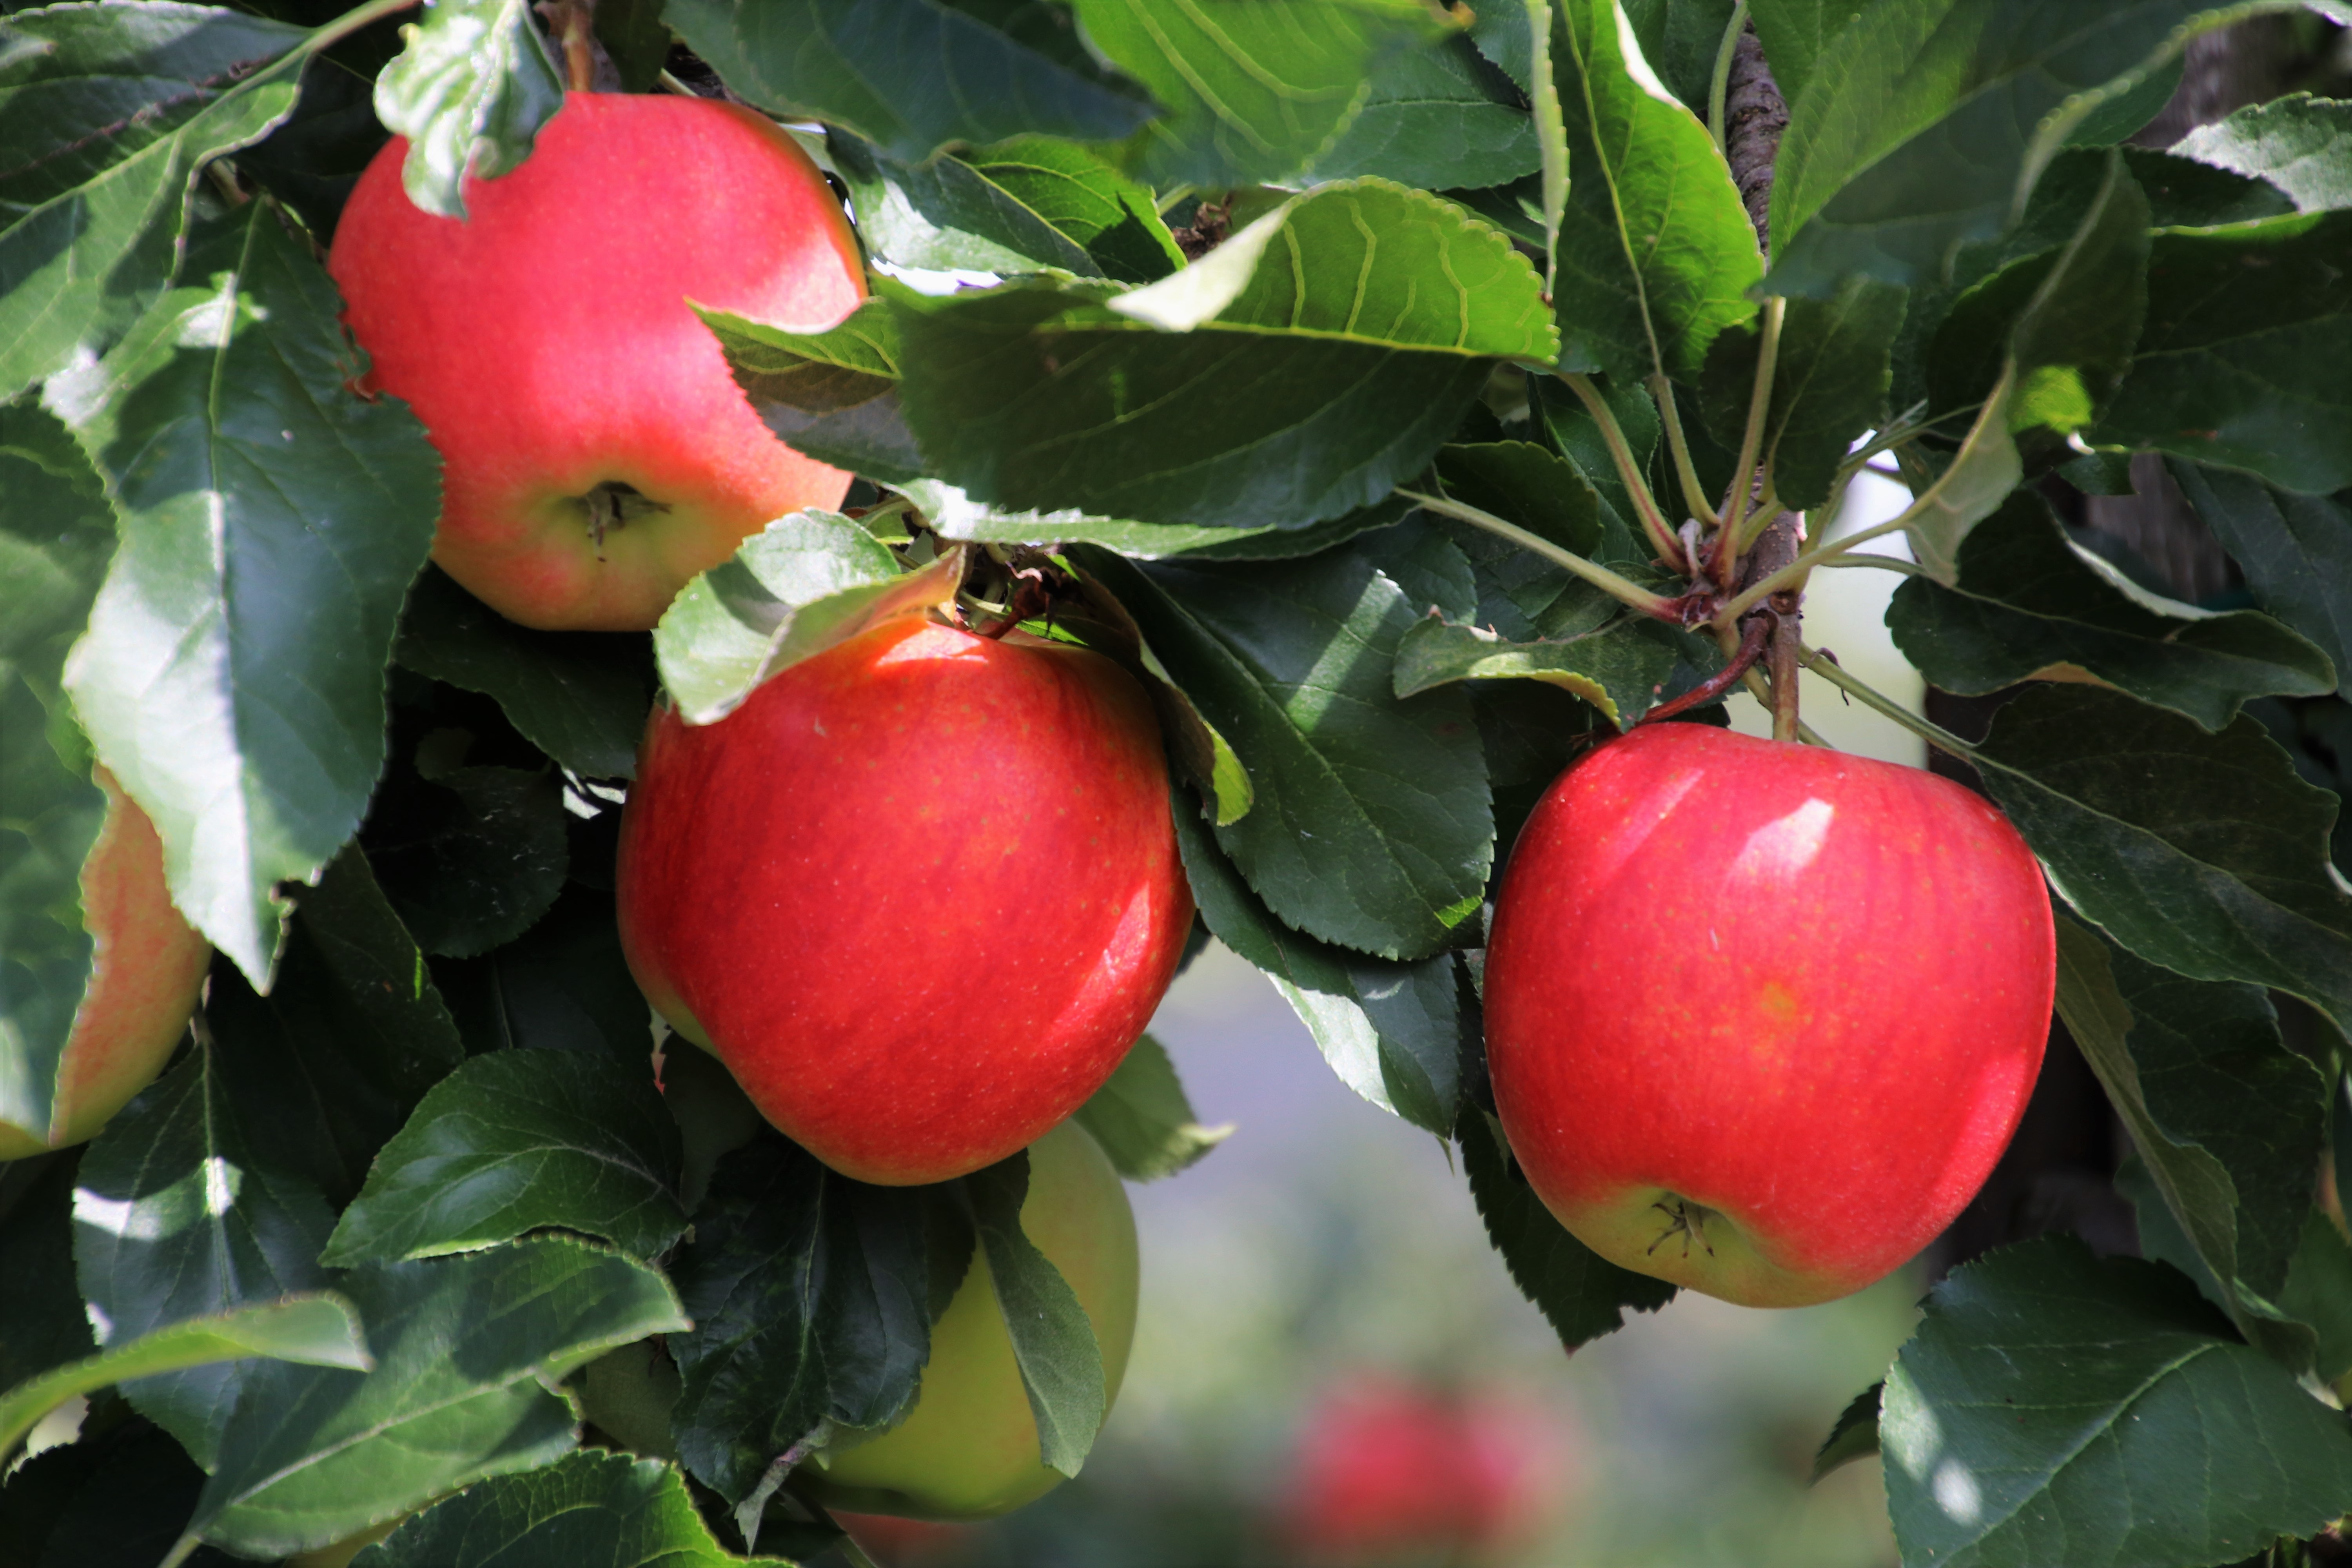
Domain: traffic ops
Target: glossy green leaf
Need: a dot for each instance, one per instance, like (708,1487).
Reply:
(2201,852)
(1853,1436)
(1583,1295)
(955,515)
(2296,550)
(854,362)
(610,1510)
(470,92)
(807,582)
(1370,825)
(1656,255)
(176,1217)
(1143,1120)
(811,1295)
(1252,91)
(56,533)
(2054,1407)
(1391,1031)
(2246,361)
(2028,604)
(2300,144)
(1619,669)
(1440,118)
(1115,218)
(316,1331)
(233,674)
(2227,1120)
(464,1349)
(1829,385)
(109,112)
(947,216)
(911,76)
(1053,1339)
(332,1061)
(580,697)
(516,1142)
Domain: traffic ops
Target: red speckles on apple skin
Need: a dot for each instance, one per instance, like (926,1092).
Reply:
(911,968)
(1805,989)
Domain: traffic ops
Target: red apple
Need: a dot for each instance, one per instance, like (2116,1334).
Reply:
(919,892)
(1761,1017)
(596,453)
(968,1449)
(146,968)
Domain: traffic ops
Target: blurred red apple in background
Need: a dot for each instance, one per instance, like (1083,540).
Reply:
(597,454)
(919,892)
(1761,1017)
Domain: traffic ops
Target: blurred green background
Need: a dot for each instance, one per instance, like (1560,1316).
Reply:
(1324,1333)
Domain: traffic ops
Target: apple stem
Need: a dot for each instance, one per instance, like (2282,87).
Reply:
(1787,646)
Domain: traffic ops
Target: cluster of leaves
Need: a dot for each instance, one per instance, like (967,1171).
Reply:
(1500,274)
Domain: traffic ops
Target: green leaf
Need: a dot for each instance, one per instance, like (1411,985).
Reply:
(232,677)
(175,1218)
(811,1295)
(470,857)
(1583,1295)
(1853,1436)
(852,362)
(42,1321)
(611,1510)
(2058,1407)
(1796,33)
(947,216)
(2300,144)
(2031,604)
(1143,1121)
(2296,550)
(955,515)
(346,1044)
(636,39)
(470,91)
(580,697)
(1829,385)
(562,985)
(109,112)
(1925,123)
(1680,39)
(1253,91)
(910,75)
(2246,361)
(1979,476)
(2227,1120)
(465,1348)
(56,534)
(807,582)
(1657,254)
(1391,1031)
(1053,1341)
(1371,824)
(316,1331)
(1439,118)
(1620,669)
(516,1141)
(2201,852)
(2319,1292)
(1115,218)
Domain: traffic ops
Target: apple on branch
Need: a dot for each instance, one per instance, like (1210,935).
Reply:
(1761,1017)
(597,454)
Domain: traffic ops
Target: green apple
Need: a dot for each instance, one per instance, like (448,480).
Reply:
(970,1448)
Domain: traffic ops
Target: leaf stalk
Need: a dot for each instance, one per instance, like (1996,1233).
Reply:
(1621,453)
(1751,445)
(1622,589)
(1694,493)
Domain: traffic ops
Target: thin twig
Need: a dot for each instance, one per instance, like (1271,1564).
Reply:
(1793,574)
(1623,589)
(1752,639)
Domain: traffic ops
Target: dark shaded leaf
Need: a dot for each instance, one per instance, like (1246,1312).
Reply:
(463,1348)
(470,857)
(233,675)
(2054,1407)
(1621,669)
(470,92)
(1795,33)
(1143,1121)
(1829,385)
(516,1142)
(1853,1436)
(562,985)
(1111,216)
(636,40)
(41,1319)
(2296,550)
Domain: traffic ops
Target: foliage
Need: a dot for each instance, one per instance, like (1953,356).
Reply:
(1343,366)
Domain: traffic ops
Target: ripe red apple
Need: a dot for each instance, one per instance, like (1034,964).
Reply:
(919,892)
(1761,1017)
(146,968)
(596,453)
(968,1449)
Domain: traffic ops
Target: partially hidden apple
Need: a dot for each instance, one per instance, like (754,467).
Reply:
(596,453)
(919,892)
(969,1449)
(1761,1017)
(147,966)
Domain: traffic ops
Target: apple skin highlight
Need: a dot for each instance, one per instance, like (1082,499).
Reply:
(1794,998)
(547,344)
(919,892)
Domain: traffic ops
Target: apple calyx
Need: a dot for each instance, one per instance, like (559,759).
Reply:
(614,504)
(1685,1219)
